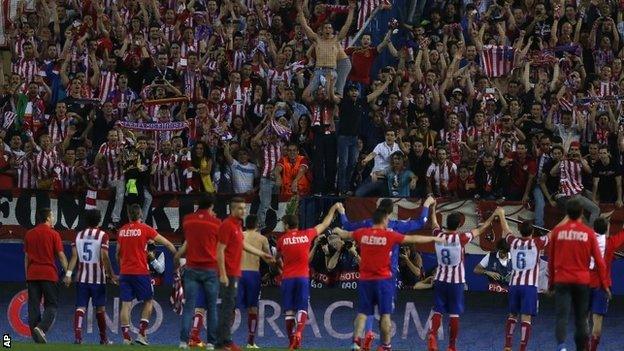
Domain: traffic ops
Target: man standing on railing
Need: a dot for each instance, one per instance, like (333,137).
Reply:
(327,48)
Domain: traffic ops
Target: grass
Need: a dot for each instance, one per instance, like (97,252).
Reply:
(89,347)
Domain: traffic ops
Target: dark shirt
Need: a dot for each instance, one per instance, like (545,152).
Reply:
(606,175)
(350,117)
(419,165)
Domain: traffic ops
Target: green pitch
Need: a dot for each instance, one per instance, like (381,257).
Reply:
(90,347)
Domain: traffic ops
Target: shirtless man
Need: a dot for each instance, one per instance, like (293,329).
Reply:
(327,49)
(249,284)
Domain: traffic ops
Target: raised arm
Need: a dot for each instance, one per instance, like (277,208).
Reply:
(304,23)
(418,223)
(421,239)
(478,231)
(329,217)
(345,28)
(346,224)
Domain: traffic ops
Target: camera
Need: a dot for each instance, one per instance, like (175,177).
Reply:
(348,245)
(323,240)
(403,251)
(159,81)
(151,247)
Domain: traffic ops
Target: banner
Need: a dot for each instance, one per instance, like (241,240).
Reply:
(156,126)
(330,324)
(17,213)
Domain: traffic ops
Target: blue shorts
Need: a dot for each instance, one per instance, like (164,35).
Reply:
(133,286)
(378,293)
(248,289)
(523,300)
(449,297)
(295,294)
(95,292)
(599,302)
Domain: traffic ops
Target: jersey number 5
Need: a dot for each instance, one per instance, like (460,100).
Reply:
(87,252)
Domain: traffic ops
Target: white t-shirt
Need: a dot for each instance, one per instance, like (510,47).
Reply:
(382,155)
(243,176)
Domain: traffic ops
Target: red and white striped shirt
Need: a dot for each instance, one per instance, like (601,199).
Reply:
(450,256)
(108,81)
(237,100)
(166,177)
(26,172)
(67,175)
(271,153)
(525,259)
(111,154)
(571,180)
(26,68)
(89,243)
(57,129)
(274,77)
(44,164)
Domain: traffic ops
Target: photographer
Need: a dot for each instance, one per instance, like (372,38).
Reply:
(345,257)
(320,249)
(410,267)
(497,267)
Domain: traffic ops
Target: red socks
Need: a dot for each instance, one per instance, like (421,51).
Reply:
(593,343)
(510,326)
(143,326)
(454,330)
(436,321)
(290,327)
(198,324)
(78,318)
(302,317)
(252,324)
(101,321)
(125,331)
(526,334)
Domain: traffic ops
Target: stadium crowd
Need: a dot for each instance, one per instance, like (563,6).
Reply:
(508,100)
(255,97)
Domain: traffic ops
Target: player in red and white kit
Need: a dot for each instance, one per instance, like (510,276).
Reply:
(294,248)
(376,285)
(451,276)
(599,302)
(90,251)
(573,244)
(134,277)
(525,261)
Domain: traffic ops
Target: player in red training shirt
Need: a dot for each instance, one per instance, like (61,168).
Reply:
(525,265)
(230,245)
(90,253)
(599,302)
(294,249)
(134,277)
(450,278)
(573,244)
(376,285)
